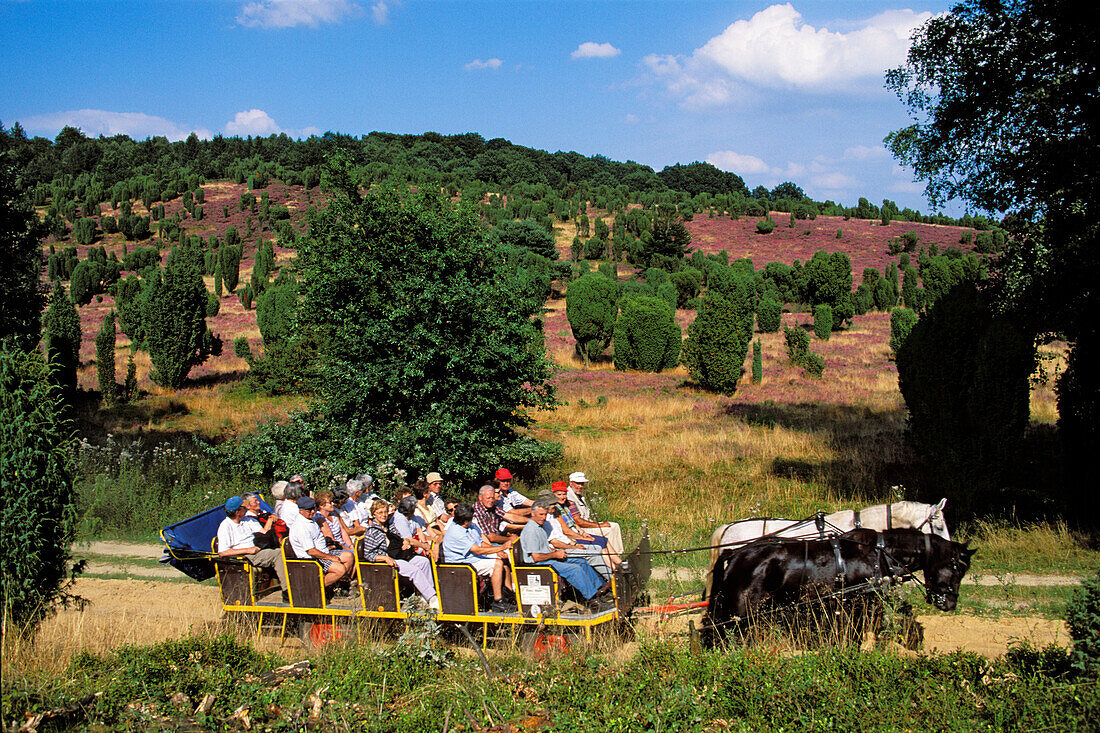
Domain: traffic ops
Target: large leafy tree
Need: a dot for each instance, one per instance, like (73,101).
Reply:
(1003,95)
(173,315)
(430,357)
(20,258)
(718,338)
(591,305)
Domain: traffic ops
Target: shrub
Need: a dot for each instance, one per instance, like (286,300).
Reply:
(829,282)
(798,344)
(105,358)
(595,249)
(964,375)
(667,292)
(862,300)
(765,225)
(576,249)
(245,295)
(883,295)
(687,282)
(229,257)
(840,234)
(173,318)
(769,315)
(84,282)
(241,348)
(276,309)
(902,321)
(823,321)
(601,231)
(647,337)
(530,235)
(37,513)
(911,294)
(718,338)
(84,230)
(61,337)
(1083,619)
(814,364)
(213,305)
(757,362)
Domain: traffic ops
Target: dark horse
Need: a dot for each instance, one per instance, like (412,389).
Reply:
(786,572)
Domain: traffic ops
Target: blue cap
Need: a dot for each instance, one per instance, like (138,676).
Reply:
(307,502)
(233,504)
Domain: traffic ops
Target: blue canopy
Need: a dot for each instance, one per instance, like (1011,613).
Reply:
(188,542)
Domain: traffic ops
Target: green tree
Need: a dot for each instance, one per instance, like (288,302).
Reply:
(757,362)
(823,322)
(174,320)
(718,338)
(38,510)
(964,375)
(591,305)
(429,355)
(530,235)
(829,282)
(229,257)
(20,259)
(105,358)
(276,309)
(84,282)
(670,238)
(769,314)
(61,326)
(902,321)
(647,337)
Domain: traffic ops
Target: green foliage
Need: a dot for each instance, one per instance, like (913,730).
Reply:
(814,364)
(1083,619)
(276,310)
(61,337)
(718,338)
(213,305)
(798,344)
(576,249)
(823,321)
(601,231)
(765,225)
(840,234)
(595,249)
(174,320)
(964,375)
(105,358)
(862,299)
(769,315)
(647,337)
(829,282)
(530,235)
(37,511)
(669,238)
(591,305)
(84,231)
(245,295)
(902,321)
(415,273)
(667,292)
(911,294)
(229,258)
(687,282)
(20,233)
(84,282)
(757,362)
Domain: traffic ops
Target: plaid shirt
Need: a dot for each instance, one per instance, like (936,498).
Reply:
(375,542)
(488,520)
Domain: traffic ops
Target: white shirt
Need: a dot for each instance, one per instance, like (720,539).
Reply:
(306,536)
(237,535)
(512,500)
(582,506)
(349,512)
(288,512)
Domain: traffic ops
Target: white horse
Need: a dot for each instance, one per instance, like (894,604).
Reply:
(926,517)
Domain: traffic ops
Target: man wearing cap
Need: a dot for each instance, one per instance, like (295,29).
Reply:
(462,543)
(536,550)
(578,483)
(514,506)
(308,542)
(434,500)
(236,539)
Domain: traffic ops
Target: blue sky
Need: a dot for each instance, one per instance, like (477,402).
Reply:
(772,91)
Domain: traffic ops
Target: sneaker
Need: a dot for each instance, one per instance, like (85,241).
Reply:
(502,606)
(434,604)
(599,605)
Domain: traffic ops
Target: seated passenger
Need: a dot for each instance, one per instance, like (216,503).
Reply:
(332,527)
(514,506)
(568,519)
(536,550)
(435,486)
(578,487)
(489,518)
(288,509)
(375,547)
(602,560)
(463,543)
(350,511)
(236,538)
(403,525)
(308,542)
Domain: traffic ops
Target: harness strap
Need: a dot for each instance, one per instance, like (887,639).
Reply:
(856,521)
(819,520)
(889,517)
(841,569)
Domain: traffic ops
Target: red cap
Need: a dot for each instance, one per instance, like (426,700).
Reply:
(503,474)
(559,486)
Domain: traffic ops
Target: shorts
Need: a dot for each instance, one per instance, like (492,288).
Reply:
(325,562)
(485,566)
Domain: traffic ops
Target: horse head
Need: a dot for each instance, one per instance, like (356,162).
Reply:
(935,520)
(943,573)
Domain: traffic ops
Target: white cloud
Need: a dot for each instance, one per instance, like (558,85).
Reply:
(834,180)
(479,65)
(253,122)
(776,49)
(257,123)
(865,152)
(291,13)
(380,11)
(593,50)
(729,160)
(95,122)
(631,118)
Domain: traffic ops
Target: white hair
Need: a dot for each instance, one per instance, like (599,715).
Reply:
(278,488)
